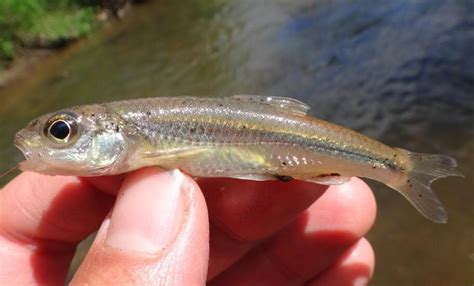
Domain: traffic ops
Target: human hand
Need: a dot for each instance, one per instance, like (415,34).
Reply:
(261,233)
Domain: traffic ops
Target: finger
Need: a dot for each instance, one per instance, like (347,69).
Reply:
(355,268)
(106,184)
(310,245)
(158,233)
(42,218)
(245,212)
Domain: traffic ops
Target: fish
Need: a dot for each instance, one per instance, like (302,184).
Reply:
(248,137)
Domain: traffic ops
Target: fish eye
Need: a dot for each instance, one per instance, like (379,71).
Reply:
(61,128)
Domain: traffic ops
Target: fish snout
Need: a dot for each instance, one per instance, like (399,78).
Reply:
(19,138)
(21,143)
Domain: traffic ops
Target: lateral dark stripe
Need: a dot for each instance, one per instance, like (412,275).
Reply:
(198,132)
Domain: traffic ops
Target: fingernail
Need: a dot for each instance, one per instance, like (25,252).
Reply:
(149,211)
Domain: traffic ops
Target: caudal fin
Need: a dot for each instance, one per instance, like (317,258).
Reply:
(425,168)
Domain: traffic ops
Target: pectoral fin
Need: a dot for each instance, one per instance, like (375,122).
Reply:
(330,179)
(173,155)
(252,177)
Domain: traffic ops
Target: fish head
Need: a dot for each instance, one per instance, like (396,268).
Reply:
(85,141)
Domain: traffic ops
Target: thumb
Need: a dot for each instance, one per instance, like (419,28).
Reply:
(158,233)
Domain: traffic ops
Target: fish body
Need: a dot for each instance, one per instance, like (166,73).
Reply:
(244,136)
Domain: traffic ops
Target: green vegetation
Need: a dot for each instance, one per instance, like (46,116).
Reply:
(43,23)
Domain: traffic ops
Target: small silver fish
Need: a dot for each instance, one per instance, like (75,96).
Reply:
(243,136)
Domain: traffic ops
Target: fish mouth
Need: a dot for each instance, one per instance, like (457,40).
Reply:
(29,164)
(19,143)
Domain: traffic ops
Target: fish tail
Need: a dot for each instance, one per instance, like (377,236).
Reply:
(426,168)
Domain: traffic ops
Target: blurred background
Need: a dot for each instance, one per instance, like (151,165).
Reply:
(399,71)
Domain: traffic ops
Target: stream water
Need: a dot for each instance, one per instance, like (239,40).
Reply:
(399,71)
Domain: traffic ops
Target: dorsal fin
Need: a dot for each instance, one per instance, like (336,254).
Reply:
(290,104)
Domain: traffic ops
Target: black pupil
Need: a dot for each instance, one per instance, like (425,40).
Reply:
(59,129)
